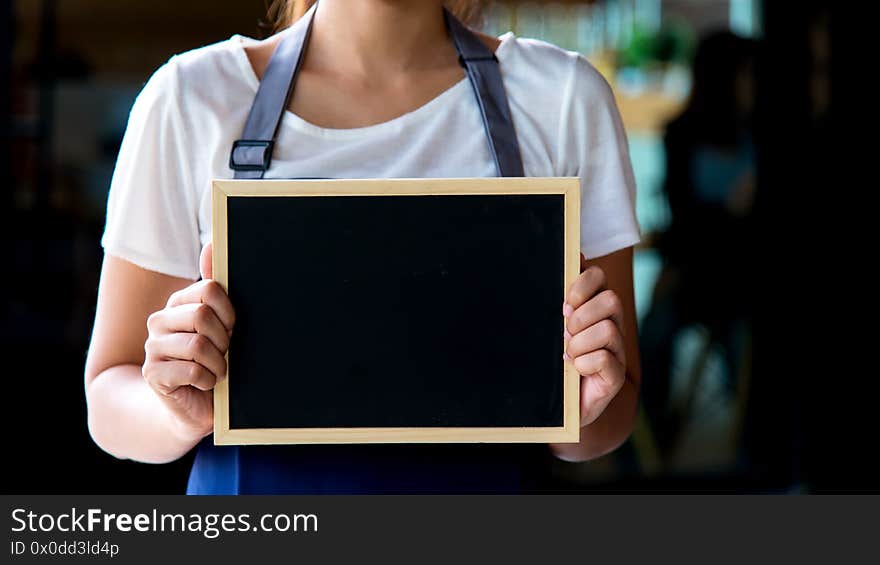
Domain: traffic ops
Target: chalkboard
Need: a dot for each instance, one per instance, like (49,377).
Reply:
(370,311)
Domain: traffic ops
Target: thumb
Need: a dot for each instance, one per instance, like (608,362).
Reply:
(206,261)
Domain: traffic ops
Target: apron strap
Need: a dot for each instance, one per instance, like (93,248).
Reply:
(483,71)
(252,154)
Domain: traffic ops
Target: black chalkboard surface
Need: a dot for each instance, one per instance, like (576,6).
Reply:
(421,310)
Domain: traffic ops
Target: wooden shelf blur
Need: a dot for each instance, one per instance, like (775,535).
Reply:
(648,112)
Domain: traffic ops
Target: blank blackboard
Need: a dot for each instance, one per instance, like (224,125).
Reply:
(396,310)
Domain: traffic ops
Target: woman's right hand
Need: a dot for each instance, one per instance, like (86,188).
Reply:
(185,351)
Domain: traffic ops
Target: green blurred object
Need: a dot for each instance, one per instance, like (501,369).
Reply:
(671,44)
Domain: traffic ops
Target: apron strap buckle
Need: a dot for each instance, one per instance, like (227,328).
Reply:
(251,155)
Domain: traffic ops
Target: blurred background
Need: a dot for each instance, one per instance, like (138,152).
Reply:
(719,99)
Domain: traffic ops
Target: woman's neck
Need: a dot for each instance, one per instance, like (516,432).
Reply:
(378,38)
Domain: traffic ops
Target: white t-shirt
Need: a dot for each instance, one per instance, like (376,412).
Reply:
(183,124)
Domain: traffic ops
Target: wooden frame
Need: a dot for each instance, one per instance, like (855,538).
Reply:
(569,187)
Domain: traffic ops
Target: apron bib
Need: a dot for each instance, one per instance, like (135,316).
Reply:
(353,469)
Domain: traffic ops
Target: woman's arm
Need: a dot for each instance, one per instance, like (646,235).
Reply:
(602,342)
(156,351)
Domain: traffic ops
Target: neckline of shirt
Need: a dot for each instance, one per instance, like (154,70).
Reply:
(293,120)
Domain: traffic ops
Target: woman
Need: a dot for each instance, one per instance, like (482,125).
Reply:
(379,93)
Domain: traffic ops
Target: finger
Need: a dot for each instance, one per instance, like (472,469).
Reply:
(210,293)
(190,318)
(587,285)
(602,335)
(603,365)
(168,376)
(603,377)
(187,347)
(604,305)
(206,261)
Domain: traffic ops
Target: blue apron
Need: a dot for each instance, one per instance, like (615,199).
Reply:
(374,469)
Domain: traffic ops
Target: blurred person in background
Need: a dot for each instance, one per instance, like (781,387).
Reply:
(710,186)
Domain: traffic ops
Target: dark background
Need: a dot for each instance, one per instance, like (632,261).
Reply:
(808,416)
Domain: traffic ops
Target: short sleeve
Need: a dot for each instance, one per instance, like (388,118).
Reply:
(152,209)
(593,147)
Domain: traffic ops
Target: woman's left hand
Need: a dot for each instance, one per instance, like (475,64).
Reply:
(594,341)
